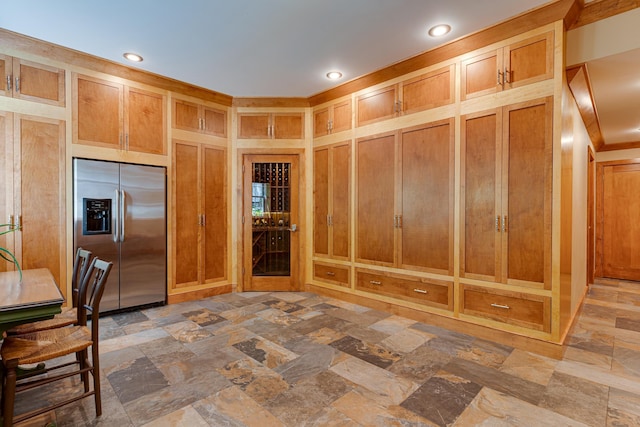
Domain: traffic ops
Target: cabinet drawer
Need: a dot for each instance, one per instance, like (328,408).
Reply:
(437,293)
(336,275)
(516,308)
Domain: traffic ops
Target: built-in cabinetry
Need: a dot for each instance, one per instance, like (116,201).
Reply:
(425,91)
(333,118)
(270,125)
(404,202)
(195,117)
(200,213)
(31,81)
(32,159)
(513,65)
(113,115)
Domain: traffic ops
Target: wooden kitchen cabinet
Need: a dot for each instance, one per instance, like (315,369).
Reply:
(381,104)
(194,117)
(33,158)
(113,115)
(506,194)
(271,125)
(332,274)
(200,215)
(514,65)
(405,199)
(332,119)
(31,81)
(331,195)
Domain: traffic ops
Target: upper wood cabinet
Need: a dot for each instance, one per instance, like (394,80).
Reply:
(199,118)
(33,192)
(429,90)
(506,195)
(520,63)
(200,216)
(31,81)
(112,115)
(271,125)
(332,119)
(404,201)
(331,195)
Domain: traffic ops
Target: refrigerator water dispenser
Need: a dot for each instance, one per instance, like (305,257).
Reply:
(96,216)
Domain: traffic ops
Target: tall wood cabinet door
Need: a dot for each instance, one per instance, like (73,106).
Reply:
(186,115)
(480,235)
(40,153)
(253,126)
(214,122)
(287,125)
(375,199)
(430,90)
(145,121)
(321,201)
(98,112)
(38,82)
(377,105)
(340,196)
(426,220)
(6,68)
(6,186)
(526,203)
(480,76)
(186,213)
(619,211)
(529,61)
(214,199)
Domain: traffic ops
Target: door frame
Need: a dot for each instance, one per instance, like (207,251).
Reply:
(298,272)
(591,215)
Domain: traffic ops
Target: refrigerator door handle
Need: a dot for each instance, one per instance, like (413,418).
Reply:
(122,213)
(116,226)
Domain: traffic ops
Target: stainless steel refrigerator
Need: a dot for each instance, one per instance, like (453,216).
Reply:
(120,216)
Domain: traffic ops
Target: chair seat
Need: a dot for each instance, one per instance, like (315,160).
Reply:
(45,345)
(66,318)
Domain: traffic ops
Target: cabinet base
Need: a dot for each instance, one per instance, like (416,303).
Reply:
(199,294)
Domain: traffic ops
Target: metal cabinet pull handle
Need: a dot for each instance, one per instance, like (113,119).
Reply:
(497,222)
(8,82)
(499,81)
(375,282)
(505,227)
(507,75)
(20,222)
(421,291)
(330,273)
(17,84)
(506,307)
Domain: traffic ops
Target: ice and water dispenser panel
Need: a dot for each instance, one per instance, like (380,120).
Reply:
(96,217)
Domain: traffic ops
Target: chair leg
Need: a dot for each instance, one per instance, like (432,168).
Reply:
(9,391)
(83,359)
(96,379)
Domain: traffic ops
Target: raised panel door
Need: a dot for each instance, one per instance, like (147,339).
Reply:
(40,152)
(529,61)
(375,199)
(98,112)
(427,197)
(321,122)
(428,91)
(145,121)
(215,122)
(38,82)
(288,126)
(620,211)
(341,118)
(377,105)
(186,213)
(526,203)
(214,199)
(340,196)
(253,126)
(481,137)
(186,115)
(321,201)
(479,75)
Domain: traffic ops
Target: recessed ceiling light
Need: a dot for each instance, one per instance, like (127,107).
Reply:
(133,57)
(334,75)
(439,30)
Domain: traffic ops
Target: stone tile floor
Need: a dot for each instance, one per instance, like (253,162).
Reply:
(299,359)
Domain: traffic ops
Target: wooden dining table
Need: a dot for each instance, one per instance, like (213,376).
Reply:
(35,297)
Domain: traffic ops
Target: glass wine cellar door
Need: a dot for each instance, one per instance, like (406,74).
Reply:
(273,225)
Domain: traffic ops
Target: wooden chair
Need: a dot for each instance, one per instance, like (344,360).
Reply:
(53,343)
(69,316)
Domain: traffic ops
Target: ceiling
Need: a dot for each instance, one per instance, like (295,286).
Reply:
(284,48)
